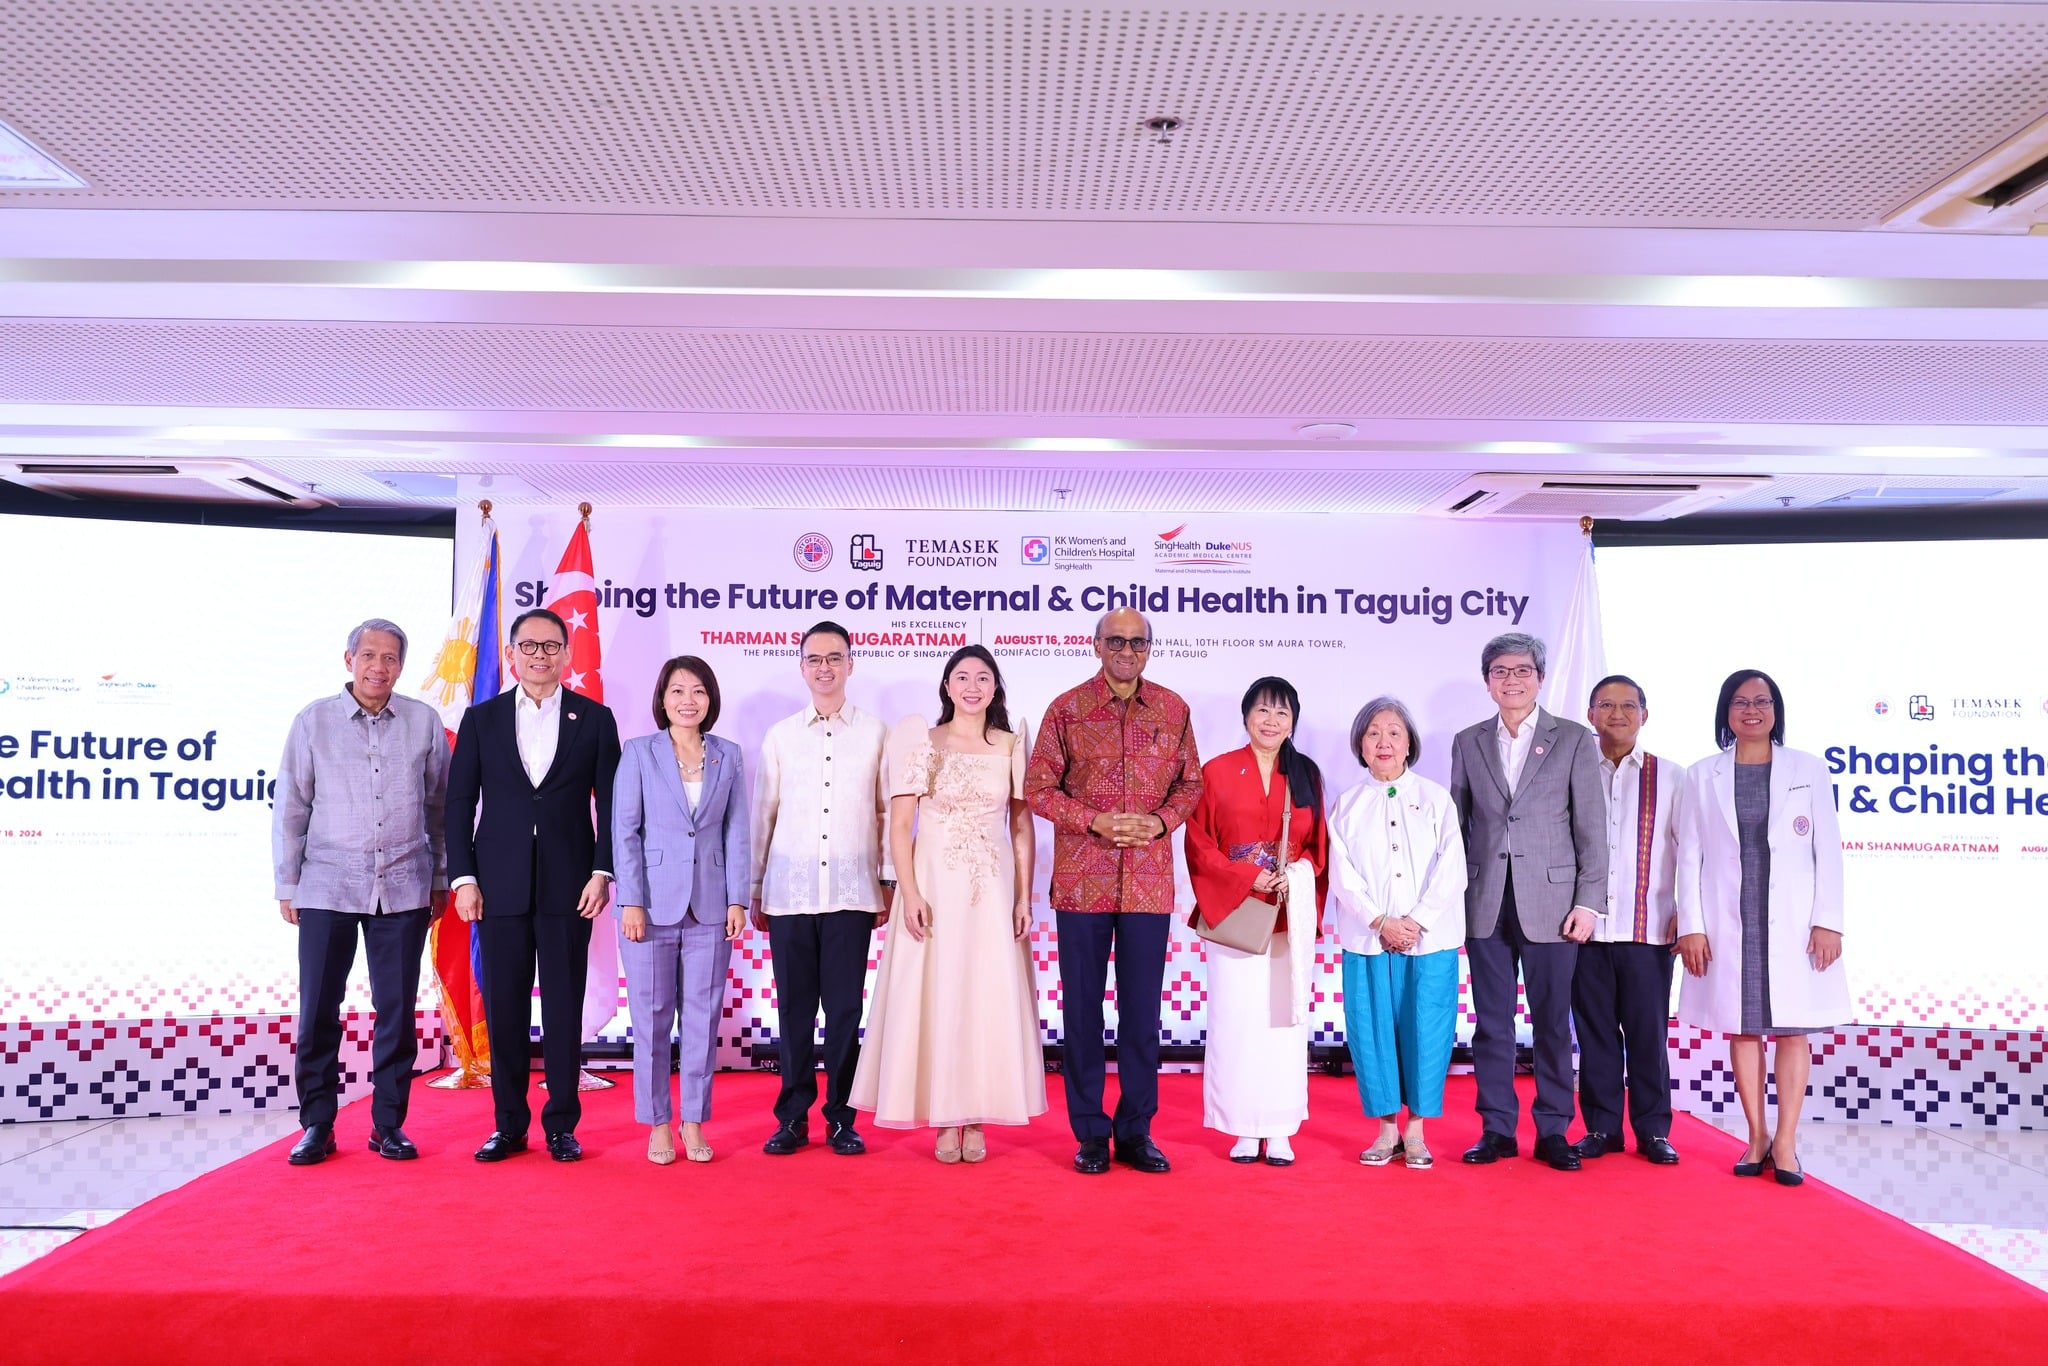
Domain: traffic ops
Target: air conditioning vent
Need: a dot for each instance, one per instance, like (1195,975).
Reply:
(187,481)
(1636,498)
(2006,190)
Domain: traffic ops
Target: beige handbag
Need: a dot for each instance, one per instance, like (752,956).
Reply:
(1249,928)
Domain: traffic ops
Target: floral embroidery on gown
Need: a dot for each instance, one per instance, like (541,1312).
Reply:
(952,1031)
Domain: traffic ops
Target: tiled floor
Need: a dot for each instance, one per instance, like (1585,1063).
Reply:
(60,1178)
(1984,1191)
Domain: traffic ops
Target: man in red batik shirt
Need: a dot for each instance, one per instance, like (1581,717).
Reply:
(1115,771)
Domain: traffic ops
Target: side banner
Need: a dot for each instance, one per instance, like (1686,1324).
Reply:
(1344,608)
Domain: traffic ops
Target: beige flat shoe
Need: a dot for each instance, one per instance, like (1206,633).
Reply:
(661,1149)
(1416,1158)
(944,1153)
(973,1146)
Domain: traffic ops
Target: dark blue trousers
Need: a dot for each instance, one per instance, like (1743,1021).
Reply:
(1086,942)
(327,951)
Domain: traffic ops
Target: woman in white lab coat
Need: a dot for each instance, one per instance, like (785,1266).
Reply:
(1397,888)
(1760,909)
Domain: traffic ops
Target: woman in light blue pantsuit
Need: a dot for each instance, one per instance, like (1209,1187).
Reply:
(679,833)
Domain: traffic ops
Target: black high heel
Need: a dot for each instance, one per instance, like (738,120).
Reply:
(1796,1176)
(1756,1168)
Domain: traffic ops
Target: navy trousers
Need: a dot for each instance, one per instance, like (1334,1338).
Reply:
(327,952)
(1621,1003)
(1086,942)
(1546,971)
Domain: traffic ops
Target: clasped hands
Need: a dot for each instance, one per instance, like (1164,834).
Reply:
(1128,829)
(1399,933)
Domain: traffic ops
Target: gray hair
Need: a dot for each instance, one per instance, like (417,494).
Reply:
(1125,608)
(1364,719)
(389,628)
(1514,643)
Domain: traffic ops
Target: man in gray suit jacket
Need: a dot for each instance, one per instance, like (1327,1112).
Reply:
(1529,799)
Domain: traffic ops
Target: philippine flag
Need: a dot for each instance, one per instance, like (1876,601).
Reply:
(467,670)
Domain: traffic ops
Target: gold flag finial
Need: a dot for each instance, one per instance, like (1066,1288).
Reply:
(1585,526)
(484,507)
(584,508)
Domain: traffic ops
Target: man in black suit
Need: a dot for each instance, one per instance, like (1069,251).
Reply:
(532,873)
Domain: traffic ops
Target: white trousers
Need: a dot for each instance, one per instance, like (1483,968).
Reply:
(1255,1078)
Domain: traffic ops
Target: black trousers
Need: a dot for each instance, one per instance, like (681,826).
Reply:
(818,959)
(1140,942)
(514,947)
(1621,1005)
(327,953)
(1546,971)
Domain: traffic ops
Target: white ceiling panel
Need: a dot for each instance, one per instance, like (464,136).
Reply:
(1628,112)
(674,370)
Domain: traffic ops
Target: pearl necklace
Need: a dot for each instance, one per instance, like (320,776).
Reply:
(688,772)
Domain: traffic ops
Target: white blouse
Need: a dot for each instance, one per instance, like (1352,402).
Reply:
(1398,855)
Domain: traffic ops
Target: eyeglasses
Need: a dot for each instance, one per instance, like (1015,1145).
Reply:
(529,648)
(1116,645)
(1625,708)
(1752,704)
(816,662)
(1501,673)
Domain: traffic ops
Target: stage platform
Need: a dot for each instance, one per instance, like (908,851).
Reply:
(893,1257)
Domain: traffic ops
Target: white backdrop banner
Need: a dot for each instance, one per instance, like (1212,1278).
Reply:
(1344,608)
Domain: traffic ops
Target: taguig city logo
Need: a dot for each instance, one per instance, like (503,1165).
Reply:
(812,551)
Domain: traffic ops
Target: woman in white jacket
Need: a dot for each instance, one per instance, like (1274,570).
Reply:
(1760,909)
(1397,883)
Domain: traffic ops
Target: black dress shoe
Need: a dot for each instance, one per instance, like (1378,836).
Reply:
(1658,1150)
(1092,1157)
(1553,1149)
(1142,1155)
(498,1147)
(845,1140)
(315,1146)
(1492,1147)
(1596,1144)
(787,1140)
(393,1143)
(563,1147)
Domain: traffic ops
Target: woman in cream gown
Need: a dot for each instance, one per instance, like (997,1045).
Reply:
(952,1033)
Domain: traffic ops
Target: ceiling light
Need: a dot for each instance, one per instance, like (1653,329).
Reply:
(1326,431)
(1525,448)
(23,166)
(1065,443)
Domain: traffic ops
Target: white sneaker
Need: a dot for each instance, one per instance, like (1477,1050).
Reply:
(1279,1152)
(1245,1150)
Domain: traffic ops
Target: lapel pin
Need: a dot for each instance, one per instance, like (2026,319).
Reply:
(1539,748)
(572,716)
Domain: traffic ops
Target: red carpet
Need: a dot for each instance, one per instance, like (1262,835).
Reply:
(891,1257)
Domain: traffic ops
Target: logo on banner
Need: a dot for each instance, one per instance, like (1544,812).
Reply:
(863,550)
(1881,706)
(1919,708)
(1037,550)
(1197,553)
(813,552)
